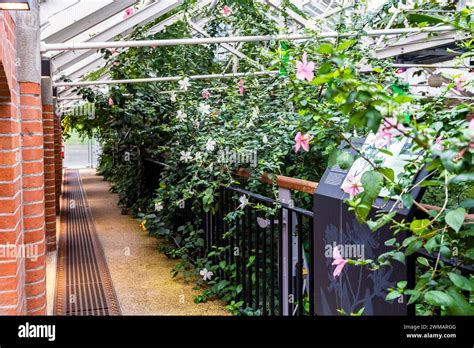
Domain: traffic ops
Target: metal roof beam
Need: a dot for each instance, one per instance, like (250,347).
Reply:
(147,14)
(92,19)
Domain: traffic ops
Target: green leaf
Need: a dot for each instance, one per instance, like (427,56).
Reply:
(407,200)
(461,281)
(413,247)
(399,256)
(388,172)
(419,226)
(392,295)
(345,160)
(402,284)
(455,218)
(345,45)
(332,160)
(438,298)
(372,182)
(423,261)
(418,18)
(325,48)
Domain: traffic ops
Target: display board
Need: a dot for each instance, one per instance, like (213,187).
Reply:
(337,227)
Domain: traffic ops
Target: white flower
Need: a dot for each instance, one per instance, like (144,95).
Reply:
(198,156)
(204,109)
(206,275)
(158,207)
(185,156)
(255,112)
(181,116)
(265,139)
(243,201)
(184,84)
(210,145)
(173,97)
(249,124)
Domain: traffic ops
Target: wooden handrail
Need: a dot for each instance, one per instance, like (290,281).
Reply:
(284,182)
(310,187)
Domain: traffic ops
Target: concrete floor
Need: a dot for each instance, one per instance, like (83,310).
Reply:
(140,273)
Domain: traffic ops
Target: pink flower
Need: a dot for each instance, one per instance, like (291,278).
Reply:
(226,11)
(352,187)
(339,262)
(400,70)
(241,87)
(111,102)
(302,141)
(438,143)
(113,50)
(460,82)
(304,69)
(206,94)
(153,46)
(128,12)
(471,124)
(116,63)
(390,127)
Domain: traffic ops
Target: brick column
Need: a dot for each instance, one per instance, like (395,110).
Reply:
(33,196)
(49,162)
(58,165)
(27,31)
(12,264)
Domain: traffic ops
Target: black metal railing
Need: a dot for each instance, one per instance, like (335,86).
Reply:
(266,248)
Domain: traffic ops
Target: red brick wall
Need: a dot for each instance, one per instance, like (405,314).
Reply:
(33,196)
(12,264)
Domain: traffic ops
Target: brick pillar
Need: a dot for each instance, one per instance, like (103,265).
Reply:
(33,196)
(27,31)
(58,165)
(49,163)
(12,264)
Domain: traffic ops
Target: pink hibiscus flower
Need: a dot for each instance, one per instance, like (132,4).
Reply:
(339,262)
(352,186)
(241,87)
(226,11)
(128,12)
(304,69)
(206,94)
(111,102)
(302,141)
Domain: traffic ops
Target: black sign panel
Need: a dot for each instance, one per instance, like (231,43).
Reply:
(336,227)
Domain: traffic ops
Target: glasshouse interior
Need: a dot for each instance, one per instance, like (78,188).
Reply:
(237,157)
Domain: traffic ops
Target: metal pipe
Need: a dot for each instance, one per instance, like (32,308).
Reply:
(436,66)
(219,40)
(163,79)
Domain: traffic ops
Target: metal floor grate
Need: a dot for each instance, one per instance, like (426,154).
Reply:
(83,285)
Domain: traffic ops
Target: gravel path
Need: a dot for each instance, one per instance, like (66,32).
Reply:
(140,273)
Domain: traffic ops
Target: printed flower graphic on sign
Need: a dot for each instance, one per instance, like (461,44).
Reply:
(304,69)
(206,275)
(339,262)
(389,128)
(352,186)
